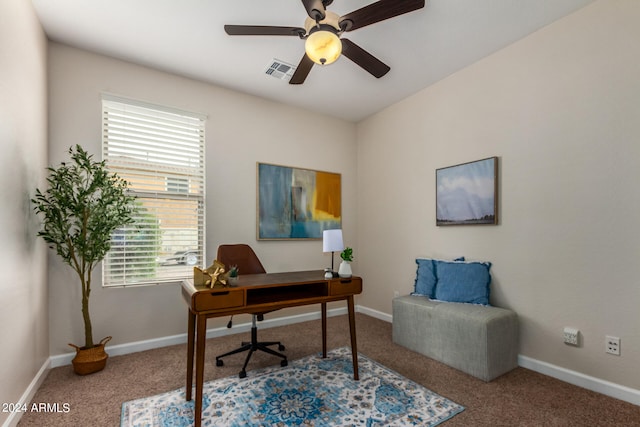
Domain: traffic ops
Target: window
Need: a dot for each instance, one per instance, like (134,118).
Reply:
(177,185)
(160,152)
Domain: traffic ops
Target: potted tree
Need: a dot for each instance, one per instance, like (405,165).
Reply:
(81,208)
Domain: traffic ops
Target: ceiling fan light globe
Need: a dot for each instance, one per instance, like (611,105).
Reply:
(323,47)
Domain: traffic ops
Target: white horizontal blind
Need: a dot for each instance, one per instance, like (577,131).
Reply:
(160,152)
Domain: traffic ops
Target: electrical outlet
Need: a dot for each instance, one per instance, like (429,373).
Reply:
(571,335)
(396,294)
(612,345)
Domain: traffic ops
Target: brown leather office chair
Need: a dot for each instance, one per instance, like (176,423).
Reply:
(247,262)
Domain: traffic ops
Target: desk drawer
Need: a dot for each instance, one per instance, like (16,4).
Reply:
(210,300)
(345,286)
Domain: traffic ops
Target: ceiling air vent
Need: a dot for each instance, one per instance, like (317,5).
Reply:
(280,70)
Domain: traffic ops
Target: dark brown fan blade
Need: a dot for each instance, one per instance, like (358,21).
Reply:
(364,59)
(263,30)
(302,71)
(315,9)
(378,11)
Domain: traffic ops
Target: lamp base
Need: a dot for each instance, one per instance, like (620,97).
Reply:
(330,274)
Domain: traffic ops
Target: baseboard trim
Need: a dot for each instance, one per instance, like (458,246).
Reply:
(27,396)
(607,388)
(581,380)
(598,385)
(134,347)
(375,313)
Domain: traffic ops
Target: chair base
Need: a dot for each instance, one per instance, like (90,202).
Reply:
(253,346)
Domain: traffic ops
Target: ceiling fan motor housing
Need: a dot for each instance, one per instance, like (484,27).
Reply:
(330,20)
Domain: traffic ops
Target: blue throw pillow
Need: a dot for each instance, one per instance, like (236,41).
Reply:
(462,281)
(426,277)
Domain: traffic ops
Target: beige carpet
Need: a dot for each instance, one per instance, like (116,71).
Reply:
(519,398)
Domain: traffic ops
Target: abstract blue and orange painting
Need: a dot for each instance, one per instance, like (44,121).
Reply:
(296,203)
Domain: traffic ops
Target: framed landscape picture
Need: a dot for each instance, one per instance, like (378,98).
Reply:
(467,193)
(295,203)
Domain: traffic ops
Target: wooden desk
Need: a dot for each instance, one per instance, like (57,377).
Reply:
(259,293)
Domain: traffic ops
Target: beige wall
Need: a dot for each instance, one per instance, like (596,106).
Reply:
(241,130)
(561,110)
(23,124)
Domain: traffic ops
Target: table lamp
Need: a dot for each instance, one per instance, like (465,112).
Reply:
(332,242)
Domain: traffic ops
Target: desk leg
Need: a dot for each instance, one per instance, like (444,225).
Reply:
(324,330)
(352,329)
(201,332)
(190,343)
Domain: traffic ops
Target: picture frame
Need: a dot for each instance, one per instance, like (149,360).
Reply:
(467,193)
(296,203)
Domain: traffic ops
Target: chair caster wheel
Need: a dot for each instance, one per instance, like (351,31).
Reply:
(281,347)
(219,362)
(284,363)
(242,374)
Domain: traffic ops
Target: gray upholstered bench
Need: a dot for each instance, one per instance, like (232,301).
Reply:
(477,339)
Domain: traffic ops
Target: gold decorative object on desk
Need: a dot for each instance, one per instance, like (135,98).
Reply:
(213,276)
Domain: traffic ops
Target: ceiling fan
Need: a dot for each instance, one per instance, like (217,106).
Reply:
(322,31)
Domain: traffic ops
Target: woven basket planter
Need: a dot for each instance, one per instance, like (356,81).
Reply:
(90,360)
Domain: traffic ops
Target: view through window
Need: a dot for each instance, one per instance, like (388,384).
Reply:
(160,152)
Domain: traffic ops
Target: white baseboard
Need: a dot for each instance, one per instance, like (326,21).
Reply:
(598,385)
(375,313)
(572,377)
(134,347)
(581,380)
(27,396)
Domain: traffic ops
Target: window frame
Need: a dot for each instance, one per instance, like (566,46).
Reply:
(165,186)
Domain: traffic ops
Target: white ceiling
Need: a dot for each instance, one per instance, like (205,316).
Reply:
(186,37)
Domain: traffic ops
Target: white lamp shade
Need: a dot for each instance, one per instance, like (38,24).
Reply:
(332,241)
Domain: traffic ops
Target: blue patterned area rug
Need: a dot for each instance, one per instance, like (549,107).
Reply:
(309,392)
